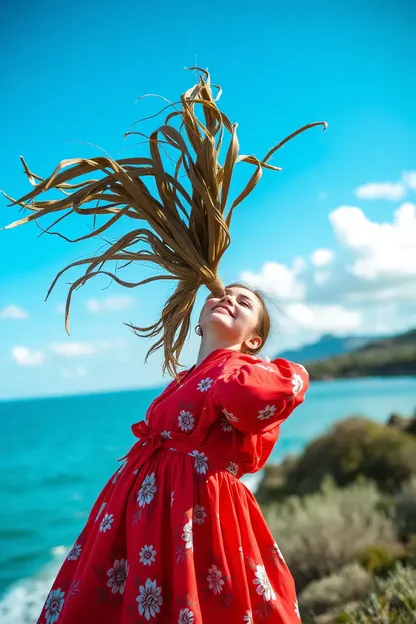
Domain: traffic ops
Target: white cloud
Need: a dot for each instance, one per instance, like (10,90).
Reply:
(409,179)
(382,190)
(303,323)
(349,290)
(25,357)
(73,349)
(82,349)
(322,257)
(12,312)
(334,319)
(109,304)
(279,280)
(381,250)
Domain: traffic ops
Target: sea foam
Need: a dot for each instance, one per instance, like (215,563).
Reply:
(22,603)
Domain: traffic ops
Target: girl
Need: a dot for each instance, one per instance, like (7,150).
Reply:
(175,537)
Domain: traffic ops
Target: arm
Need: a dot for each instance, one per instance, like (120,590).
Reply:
(256,396)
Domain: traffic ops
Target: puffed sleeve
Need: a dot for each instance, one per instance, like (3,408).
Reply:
(255,396)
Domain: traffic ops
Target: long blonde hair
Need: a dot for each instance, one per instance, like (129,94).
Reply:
(188,222)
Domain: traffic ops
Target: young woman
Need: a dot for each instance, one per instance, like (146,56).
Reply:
(175,537)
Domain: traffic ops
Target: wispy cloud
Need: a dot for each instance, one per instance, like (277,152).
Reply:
(73,349)
(394,191)
(109,304)
(12,312)
(23,356)
(383,190)
(82,349)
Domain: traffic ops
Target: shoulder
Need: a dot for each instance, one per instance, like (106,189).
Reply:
(284,362)
(239,358)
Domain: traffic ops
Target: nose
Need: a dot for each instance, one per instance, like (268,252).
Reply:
(226,299)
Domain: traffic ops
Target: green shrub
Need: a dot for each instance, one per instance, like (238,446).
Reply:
(392,602)
(352,448)
(378,558)
(351,583)
(410,551)
(405,503)
(323,532)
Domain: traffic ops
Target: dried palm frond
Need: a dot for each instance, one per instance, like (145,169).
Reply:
(187,212)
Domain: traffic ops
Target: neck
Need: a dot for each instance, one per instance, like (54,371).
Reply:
(208,346)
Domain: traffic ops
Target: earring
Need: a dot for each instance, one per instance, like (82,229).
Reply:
(198,330)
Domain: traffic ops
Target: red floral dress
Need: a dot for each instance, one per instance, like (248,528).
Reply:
(175,537)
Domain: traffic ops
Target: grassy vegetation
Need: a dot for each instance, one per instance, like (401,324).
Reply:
(344,516)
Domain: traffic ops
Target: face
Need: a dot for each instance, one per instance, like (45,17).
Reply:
(233,318)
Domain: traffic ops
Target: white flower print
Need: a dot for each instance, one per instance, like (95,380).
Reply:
(297,609)
(187,534)
(199,514)
(147,491)
(106,522)
(172,496)
(54,604)
(186,421)
(215,579)
(248,618)
(240,550)
(229,416)
(117,576)
(297,383)
(225,425)
(264,587)
(103,505)
(186,616)
(268,411)
(147,555)
(201,462)
(75,552)
(233,468)
(149,599)
(205,384)
(166,435)
(278,552)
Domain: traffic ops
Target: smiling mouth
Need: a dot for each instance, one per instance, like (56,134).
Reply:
(220,307)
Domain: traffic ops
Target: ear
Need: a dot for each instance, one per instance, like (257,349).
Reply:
(254,342)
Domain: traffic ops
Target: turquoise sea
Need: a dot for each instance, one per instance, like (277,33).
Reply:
(57,454)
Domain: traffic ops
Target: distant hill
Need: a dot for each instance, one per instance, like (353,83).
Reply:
(325,347)
(386,356)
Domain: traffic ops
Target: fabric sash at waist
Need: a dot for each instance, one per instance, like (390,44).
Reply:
(149,442)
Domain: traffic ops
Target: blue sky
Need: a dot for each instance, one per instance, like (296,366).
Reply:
(331,237)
